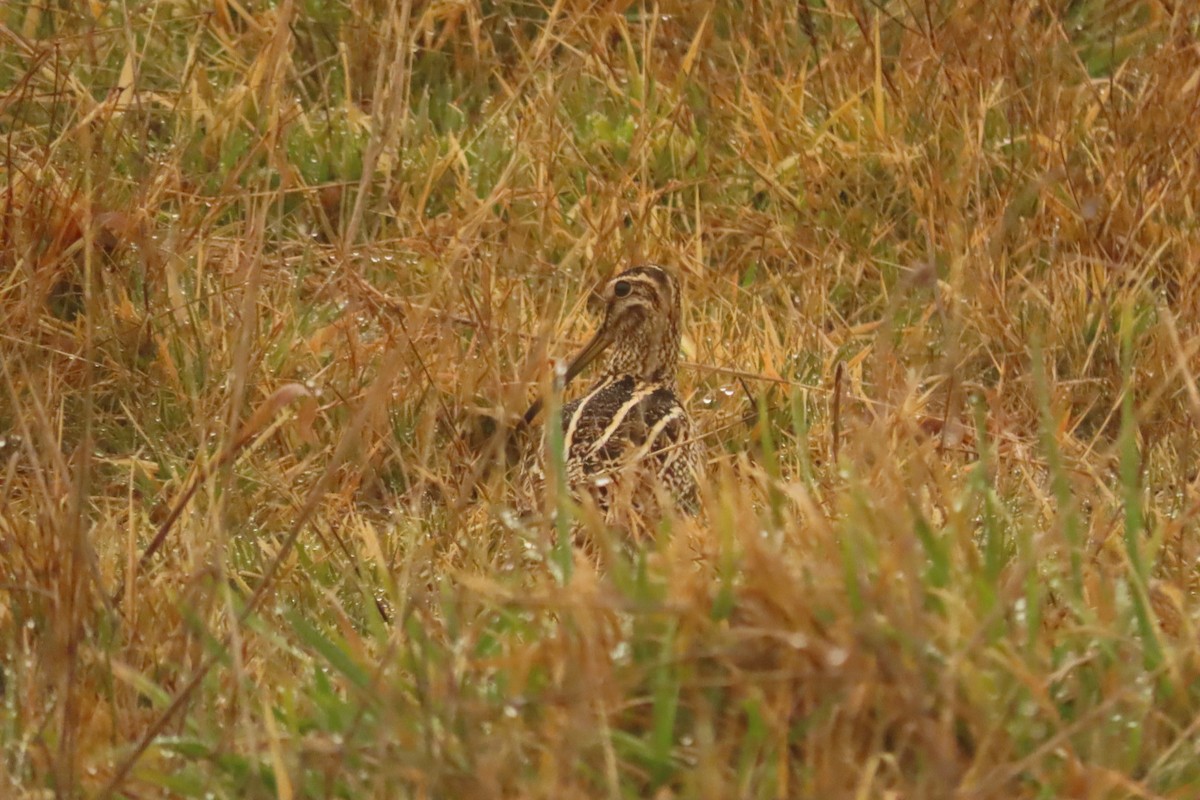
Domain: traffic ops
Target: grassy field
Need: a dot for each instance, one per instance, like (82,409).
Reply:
(276,278)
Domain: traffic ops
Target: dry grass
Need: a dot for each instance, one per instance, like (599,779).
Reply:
(285,263)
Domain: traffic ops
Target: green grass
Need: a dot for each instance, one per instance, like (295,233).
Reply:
(283,267)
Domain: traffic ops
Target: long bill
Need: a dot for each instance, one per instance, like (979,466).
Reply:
(599,343)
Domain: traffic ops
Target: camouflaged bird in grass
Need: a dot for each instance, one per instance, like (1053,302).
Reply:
(628,440)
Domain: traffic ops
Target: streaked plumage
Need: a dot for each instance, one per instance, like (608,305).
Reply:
(628,436)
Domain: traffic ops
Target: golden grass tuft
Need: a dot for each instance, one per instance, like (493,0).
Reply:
(275,277)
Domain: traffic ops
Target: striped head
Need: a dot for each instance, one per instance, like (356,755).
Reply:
(641,327)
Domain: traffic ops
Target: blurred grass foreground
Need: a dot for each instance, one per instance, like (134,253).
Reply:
(275,277)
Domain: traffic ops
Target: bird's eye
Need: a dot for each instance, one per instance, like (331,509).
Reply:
(622,289)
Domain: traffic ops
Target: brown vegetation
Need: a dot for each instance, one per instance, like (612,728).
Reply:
(272,275)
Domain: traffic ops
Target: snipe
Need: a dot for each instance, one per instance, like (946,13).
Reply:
(629,436)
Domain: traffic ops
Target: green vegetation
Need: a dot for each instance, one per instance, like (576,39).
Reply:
(270,273)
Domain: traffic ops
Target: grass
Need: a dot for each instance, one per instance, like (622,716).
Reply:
(272,272)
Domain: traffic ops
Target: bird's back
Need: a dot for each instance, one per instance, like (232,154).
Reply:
(624,436)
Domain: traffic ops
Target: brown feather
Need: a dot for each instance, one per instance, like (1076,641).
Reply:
(628,435)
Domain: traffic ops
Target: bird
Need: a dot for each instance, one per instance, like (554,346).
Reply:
(627,440)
